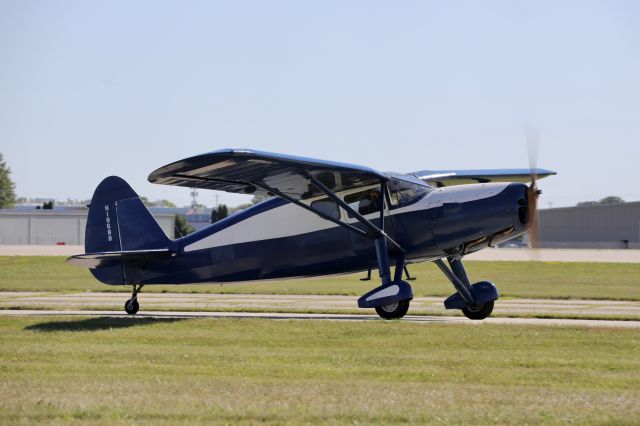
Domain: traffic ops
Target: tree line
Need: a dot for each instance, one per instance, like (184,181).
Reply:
(7,187)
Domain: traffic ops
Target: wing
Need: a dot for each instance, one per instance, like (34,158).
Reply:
(441,178)
(248,171)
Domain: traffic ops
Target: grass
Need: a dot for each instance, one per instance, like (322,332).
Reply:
(152,371)
(568,280)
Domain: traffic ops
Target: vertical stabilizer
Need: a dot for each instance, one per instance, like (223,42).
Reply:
(119,221)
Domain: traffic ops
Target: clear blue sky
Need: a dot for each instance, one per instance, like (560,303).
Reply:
(94,88)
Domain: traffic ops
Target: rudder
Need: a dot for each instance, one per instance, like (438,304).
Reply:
(119,221)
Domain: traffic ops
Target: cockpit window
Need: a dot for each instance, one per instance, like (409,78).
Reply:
(403,193)
(365,202)
(328,207)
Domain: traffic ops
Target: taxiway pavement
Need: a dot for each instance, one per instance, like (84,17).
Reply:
(429,309)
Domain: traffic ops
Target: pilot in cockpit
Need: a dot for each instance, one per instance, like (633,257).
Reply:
(371,203)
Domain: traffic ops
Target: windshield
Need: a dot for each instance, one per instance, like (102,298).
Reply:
(403,193)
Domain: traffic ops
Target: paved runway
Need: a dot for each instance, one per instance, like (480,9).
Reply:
(293,303)
(331,317)
(424,309)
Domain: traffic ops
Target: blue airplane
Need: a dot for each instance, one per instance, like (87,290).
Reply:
(322,218)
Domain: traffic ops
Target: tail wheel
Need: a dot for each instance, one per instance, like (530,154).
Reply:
(132,306)
(394,310)
(478,312)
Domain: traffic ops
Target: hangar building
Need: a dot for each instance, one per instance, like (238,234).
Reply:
(601,226)
(48,227)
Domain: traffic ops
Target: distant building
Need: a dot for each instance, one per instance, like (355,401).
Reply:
(30,224)
(601,226)
(48,227)
(198,218)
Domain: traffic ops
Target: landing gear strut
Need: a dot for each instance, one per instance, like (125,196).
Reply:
(406,272)
(476,301)
(132,306)
(393,296)
(390,300)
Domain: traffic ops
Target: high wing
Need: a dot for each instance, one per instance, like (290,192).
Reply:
(291,178)
(442,178)
(248,171)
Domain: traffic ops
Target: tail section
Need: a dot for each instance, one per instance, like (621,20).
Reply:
(118,221)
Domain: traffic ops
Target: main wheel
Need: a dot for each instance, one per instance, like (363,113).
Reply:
(478,312)
(394,310)
(132,306)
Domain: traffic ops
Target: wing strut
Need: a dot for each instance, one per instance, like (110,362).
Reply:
(311,209)
(393,289)
(377,232)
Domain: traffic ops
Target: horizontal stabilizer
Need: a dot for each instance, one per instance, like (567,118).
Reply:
(111,258)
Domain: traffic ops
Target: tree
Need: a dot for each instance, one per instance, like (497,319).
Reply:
(611,199)
(48,205)
(258,199)
(241,207)
(7,187)
(587,203)
(223,211)
(157,203)
(165,203)
(182,227)
(220,213)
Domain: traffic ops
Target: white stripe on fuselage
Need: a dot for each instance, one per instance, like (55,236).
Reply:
(290,220)
(284,221)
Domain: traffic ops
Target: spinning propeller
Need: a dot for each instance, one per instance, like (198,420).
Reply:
(533,142)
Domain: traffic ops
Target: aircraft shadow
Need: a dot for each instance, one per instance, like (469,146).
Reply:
(98,324)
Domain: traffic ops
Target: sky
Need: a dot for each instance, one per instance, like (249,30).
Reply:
(99,88)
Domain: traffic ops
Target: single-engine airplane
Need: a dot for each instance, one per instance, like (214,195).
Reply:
(322,218)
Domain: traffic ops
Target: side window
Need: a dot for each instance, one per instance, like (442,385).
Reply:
(365,202)
(327,207)
(403,193)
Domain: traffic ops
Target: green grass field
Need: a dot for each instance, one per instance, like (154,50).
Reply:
(618,281)
(145,371)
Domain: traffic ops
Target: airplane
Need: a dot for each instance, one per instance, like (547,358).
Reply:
(321,218)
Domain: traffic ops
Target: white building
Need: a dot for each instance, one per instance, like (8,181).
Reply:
(49,227)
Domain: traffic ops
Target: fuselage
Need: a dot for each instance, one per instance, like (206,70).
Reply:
(276,239)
